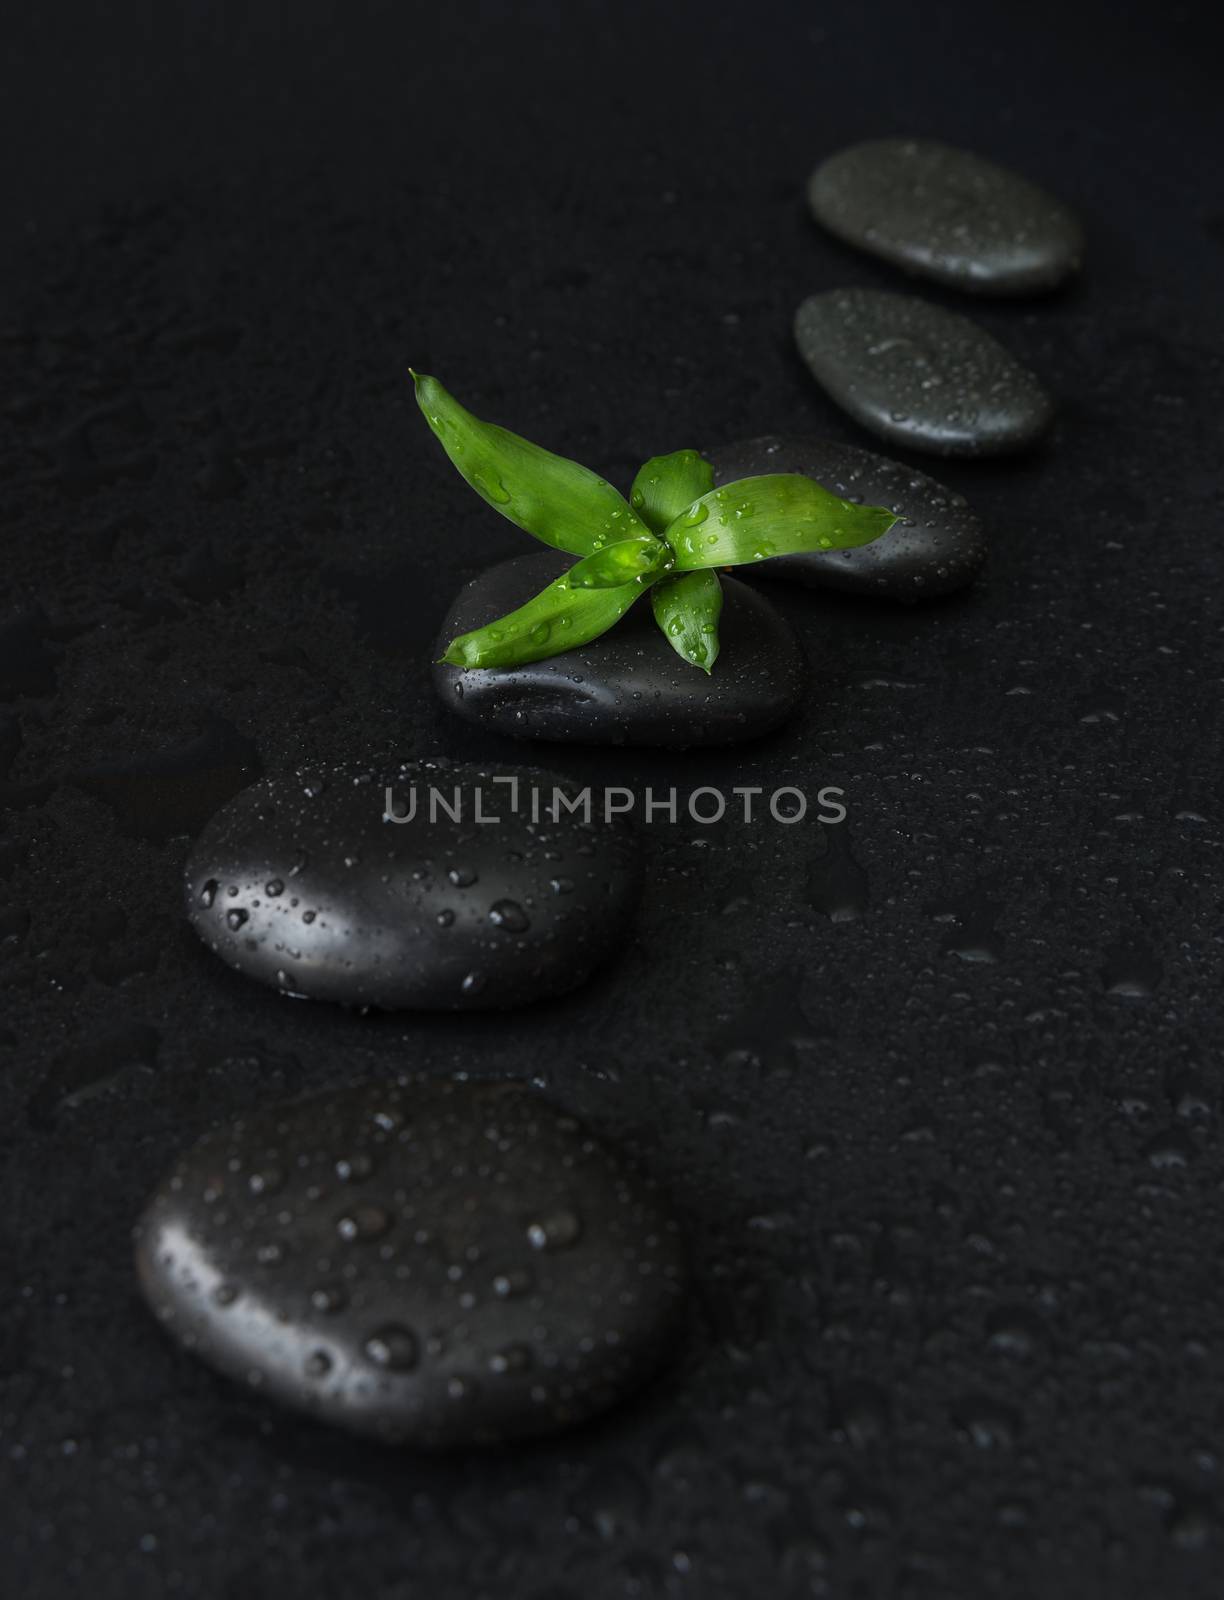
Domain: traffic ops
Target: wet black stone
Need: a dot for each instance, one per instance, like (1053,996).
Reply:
(920,376)
(300,882)
(936,547)
(947,214)
(436,1263)
(628,686)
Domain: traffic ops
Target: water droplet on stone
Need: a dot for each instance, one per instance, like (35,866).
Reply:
(363,1222)
(514,1358)
(318,1364)
(510,915)
(394,1348)
(354,1169)
(328,1299)
(554,1231)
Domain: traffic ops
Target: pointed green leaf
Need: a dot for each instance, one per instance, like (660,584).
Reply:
(558,501)
(780,514)
(687,609)
(561,617)
(620,563)
(666,485)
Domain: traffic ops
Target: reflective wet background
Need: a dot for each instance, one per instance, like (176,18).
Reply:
(937,1094)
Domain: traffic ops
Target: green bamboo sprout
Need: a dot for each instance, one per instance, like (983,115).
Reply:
(667,537)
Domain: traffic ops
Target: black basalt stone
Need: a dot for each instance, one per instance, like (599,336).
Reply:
(920,376)
(301,882)
(436,1263)
(628,687)
(935,547)
(947,214)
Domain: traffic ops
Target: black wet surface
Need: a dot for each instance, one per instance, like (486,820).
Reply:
(939,1105)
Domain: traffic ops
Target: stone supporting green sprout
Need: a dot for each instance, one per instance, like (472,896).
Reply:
(674,529)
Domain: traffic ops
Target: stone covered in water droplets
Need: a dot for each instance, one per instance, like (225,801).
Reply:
(507,1275)
(628,686)
(936,546)
(920,376)
(948,215)
(301,882)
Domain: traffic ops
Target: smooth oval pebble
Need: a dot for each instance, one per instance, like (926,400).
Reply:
(437,1263)
(628,686)
(936,546)
(947,214)
(301,883)
(920,376)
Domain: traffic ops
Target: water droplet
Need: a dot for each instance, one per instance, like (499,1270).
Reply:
(514,1358)
(510,915)
(266,1181)
(462,877)
(838,884)
(491,486)
(235,918)
(393,1348)
(328,1299)
(363,1222)
(318,1364)
(506,1285)
(555,1231)
(354,1169)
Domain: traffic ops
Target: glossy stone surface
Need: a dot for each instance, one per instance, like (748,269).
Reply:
(437,1263)
(628,686)
(936,546)
(301,883)
(920,376)
(947,214)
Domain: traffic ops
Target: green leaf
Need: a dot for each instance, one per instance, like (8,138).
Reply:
(558,501)
(780,514)
(666,485)
(561,617)
(621,563)
(687,609)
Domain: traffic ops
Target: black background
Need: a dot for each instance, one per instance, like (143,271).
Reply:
(951,1167)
